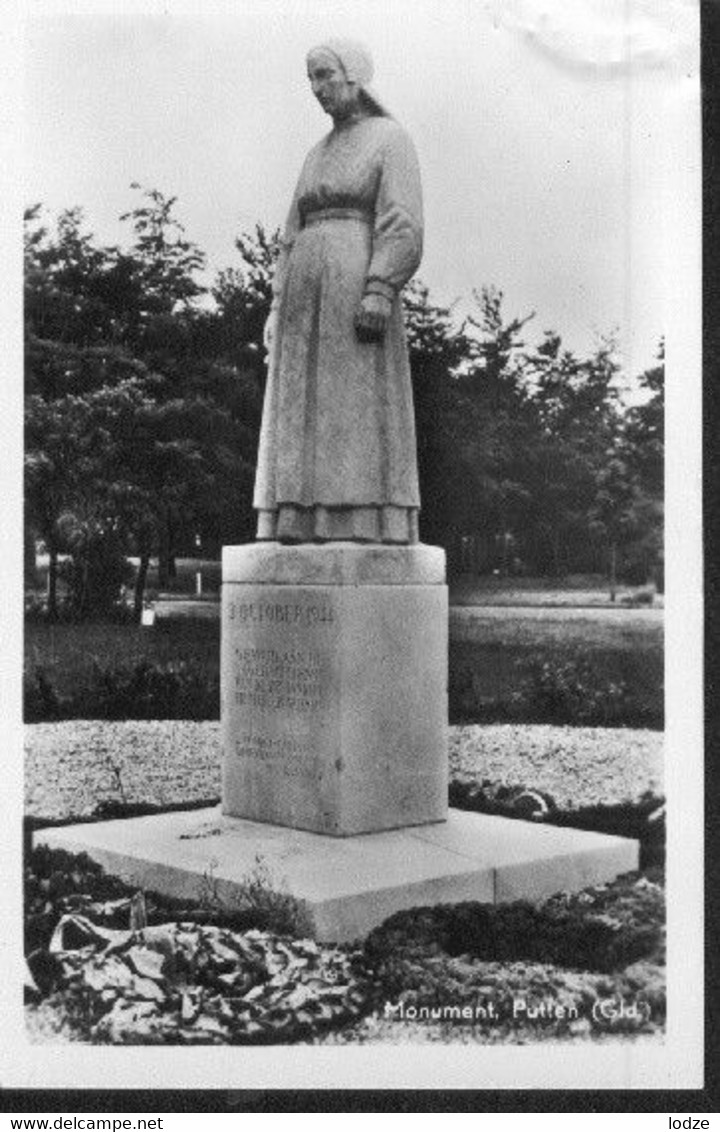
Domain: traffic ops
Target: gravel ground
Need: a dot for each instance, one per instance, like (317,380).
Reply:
(577,766)
(46,1025)
(376,1030)
(72,767)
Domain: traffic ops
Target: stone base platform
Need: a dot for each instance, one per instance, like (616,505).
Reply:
(350,885)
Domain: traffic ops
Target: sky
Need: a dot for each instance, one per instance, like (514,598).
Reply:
(544,132)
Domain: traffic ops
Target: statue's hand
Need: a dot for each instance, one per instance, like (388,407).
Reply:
(372,319)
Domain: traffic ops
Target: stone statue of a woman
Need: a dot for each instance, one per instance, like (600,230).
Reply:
(337,457)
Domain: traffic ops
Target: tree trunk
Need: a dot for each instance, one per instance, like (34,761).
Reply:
(163,556)
(167,568)
(140,581)
(556,554)
(29,558)
(52,584)
(613,571)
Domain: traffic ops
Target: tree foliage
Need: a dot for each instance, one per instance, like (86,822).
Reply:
(144,390)
(134,430)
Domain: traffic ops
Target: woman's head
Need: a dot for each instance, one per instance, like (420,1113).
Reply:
(340,71)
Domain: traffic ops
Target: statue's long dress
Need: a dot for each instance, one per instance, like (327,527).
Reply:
(337,456)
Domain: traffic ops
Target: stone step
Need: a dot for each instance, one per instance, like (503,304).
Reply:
(350,885)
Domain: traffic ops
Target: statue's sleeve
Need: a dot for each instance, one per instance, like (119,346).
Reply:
(398,227)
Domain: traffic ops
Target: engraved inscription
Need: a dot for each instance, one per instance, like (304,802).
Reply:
(275,678)
(288,756)
(280,613)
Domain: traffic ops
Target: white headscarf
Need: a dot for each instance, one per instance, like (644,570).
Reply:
(356,61)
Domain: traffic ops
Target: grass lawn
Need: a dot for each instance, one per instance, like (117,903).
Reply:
(491,652)
(636,630)
(502,631)
(66,653)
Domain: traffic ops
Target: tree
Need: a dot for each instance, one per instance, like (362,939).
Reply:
(229,370)
(644,451)
(64,453)
(49,481)
(77,485)
(644,433)
(612,512)
(492,430)
(436,348)
(153,384)
(578,422)
(167,262)
(163,394)
(65,281)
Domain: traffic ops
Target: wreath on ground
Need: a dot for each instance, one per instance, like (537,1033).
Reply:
(107,965)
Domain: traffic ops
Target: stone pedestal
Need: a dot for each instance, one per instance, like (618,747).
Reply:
(334,686)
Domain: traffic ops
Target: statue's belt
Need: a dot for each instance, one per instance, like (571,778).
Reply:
(323,214)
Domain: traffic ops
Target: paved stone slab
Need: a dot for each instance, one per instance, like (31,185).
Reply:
(351,885)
